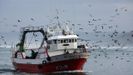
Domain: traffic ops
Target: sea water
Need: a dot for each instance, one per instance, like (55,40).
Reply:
(100,62)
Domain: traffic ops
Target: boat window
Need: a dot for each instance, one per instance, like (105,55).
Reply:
(65,40)
(55,41)
(70,40)
(75,40)
(61,41)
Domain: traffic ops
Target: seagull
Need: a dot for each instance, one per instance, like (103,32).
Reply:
(80,28)
(102,27)
(86,32)
(128,60)
(116,10)
(19,21)
(89,5)
(32,19)
(125,10)
(5,43)
(78,24)
(2,37)
(73,24)
(89,21)
(94,20)
(132,35)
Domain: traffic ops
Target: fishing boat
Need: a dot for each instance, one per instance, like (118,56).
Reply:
(59,51)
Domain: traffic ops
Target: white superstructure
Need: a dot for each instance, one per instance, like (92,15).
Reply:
(59,39)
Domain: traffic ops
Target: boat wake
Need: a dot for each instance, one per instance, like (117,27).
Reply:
(7,70)
(77,72)
(14,72)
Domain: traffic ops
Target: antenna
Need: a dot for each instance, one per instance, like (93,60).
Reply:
(57,17)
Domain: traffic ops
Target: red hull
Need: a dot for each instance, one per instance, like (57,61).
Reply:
(67,65)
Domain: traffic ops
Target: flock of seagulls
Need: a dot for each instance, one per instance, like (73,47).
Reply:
(115,37)
(100,31)
(3,39)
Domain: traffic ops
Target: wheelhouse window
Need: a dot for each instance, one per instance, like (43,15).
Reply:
(59,41)
(55,41)
(70,40)
(75,40)
(65,40)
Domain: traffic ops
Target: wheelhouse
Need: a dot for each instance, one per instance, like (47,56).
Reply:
(62,42)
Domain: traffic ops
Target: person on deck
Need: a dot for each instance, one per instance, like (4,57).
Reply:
(33,54)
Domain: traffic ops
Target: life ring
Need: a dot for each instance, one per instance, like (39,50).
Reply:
(44,62)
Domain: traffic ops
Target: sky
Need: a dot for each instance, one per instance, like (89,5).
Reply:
(43,12)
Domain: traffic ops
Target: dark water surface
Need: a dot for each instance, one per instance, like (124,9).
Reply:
(100,62)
